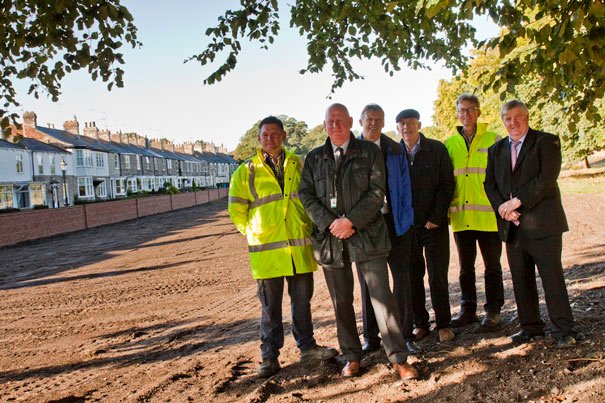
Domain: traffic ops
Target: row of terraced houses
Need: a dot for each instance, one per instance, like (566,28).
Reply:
(54,168)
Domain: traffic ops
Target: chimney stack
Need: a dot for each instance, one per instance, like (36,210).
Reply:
(90,130)
(72,126)
(104,135)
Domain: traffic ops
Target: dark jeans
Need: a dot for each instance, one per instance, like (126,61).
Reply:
(524,255)
(435,244)
(491,250)
(340,285)
(270,293)
(399,263)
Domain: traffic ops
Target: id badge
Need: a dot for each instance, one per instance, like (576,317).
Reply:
(333,202)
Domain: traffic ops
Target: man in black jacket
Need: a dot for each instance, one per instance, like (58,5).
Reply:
(521,184)
(342,189)
(433,185)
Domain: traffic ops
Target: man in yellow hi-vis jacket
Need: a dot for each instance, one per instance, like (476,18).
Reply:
(472,217)
(265,207)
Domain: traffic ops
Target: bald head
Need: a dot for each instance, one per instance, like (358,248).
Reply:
(338,123)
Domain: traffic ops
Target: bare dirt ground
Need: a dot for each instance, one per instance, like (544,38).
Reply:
(164,309)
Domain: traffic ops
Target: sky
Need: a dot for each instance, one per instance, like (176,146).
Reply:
(164,97)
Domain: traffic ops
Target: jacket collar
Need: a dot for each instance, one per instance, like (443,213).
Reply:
(353,148)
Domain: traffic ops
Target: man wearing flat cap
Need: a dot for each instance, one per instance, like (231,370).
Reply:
(433,185)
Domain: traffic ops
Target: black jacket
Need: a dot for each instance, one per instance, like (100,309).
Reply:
(534,182)
(362,180)
(433,184)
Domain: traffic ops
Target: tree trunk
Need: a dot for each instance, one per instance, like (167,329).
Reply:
(586,163)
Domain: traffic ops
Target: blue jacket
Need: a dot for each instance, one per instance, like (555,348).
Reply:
(399,188)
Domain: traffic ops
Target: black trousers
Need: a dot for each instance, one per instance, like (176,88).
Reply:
(340,285)
(270,294)
(524,255)
(399,263)
(435,245)
(491,250)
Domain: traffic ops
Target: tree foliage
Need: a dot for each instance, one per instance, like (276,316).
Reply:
(44,40)
(562,42)
(579,138)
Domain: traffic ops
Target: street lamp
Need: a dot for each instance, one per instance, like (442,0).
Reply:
(63,165)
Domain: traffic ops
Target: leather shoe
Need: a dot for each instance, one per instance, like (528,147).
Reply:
(370,347)
(490,322)
(421,332)
(318,353)
(405,371)
(566,341)
(525,337)
(446,334)
(413,347)
(268,368)
(464,318)
(352,368)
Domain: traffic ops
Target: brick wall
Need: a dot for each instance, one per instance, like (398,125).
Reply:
(36,224)
(154,205)
(19,227)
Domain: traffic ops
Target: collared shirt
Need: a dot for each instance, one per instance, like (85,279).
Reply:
(521,140)
(277,166)
(411,153)
(343,146)
(467,139)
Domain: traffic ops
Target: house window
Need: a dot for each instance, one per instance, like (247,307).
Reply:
(169,164)
(84,158)
(116,161)
(132,185)
(19,164)
(40,164)
(127,162)
(6,197)
(36,194)
(138,162)
(102,190)
(85,187)
(147,162)
(88,158)
(120,189)
(53,168)
(100,160)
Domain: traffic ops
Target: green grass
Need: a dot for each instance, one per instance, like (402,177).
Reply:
(582,185)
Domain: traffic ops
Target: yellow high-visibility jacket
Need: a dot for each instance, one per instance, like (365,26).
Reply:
(276,226)
(470,209)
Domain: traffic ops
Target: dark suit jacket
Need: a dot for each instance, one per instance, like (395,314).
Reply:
(432,176)
(534,182)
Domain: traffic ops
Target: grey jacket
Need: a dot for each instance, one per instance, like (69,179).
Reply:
(362,180)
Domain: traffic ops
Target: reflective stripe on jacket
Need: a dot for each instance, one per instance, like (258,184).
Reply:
(275,224)
(470,208)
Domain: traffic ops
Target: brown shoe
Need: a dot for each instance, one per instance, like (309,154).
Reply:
(405,371)
(351,369)
(421,332)
(446,334)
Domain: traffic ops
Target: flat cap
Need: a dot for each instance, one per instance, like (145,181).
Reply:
(407,113)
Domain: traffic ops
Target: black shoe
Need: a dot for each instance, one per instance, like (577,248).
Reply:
(268,368)
(413,347)
(370,347)
(566,341)
(490,322)
(464,318)
(525,337)
(318,353)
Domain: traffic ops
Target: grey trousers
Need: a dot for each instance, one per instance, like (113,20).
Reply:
(340,285)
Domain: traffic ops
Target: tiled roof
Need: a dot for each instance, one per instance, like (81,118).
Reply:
(8,144)
(35,145)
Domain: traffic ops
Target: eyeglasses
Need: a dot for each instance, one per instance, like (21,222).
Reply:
(464,111)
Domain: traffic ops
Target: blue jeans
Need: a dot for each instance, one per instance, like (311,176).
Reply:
(270,293)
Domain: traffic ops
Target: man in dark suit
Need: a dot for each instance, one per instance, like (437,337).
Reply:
(521,184)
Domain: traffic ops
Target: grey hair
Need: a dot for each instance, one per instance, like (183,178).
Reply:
(371,107)
(468,97)
(513,103)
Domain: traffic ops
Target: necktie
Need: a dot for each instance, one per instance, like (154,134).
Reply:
(338,157)
(513,153)
(513,159)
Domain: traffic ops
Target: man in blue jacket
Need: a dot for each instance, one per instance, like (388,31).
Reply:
(399,216)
